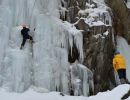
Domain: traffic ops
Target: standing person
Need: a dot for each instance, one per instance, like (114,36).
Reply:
(25,34)
(119,65)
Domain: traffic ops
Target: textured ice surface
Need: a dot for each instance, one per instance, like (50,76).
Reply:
(80,77)
(45,64)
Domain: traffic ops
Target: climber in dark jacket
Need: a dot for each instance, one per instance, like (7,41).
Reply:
(25,34)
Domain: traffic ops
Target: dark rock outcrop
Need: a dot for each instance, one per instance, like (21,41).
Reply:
(98,47)
(98,52)
(126,95)
(121,17)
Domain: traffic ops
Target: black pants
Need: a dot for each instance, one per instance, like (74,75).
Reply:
(25,38)
(122,73)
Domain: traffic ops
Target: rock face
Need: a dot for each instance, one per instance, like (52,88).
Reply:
(98,47)
(98,56)
(126,95)
(121,23)
(121,17)
(97,40)
(73,7)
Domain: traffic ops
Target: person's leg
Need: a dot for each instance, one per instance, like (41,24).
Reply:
(122,75)
(23,43)
(127,81)
(124,72)
(117,79)
(30,37)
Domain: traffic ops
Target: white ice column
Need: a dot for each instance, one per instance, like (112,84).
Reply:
(17,63)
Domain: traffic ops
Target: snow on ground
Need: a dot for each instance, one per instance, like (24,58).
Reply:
(115,94)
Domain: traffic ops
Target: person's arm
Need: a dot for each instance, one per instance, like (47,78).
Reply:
(28,29)
(114,64)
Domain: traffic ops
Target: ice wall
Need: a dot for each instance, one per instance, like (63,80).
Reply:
(17,63)
(50,58)
(80,79)
(4,35)
(45,63)
(124,48)
(51,52)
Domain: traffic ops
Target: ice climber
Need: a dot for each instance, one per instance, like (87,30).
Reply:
(25,34)
(119,65)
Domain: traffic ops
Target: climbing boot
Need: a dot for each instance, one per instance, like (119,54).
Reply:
(21,47)
(123,81)
(31,41)
(127,81)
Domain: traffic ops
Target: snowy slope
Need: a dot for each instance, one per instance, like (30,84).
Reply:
(115,94)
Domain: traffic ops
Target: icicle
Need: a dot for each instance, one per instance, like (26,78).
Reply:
(80,79)
(78,40)
(17,64)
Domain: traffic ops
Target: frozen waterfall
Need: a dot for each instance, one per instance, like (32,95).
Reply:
(80,79)
(45,64)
